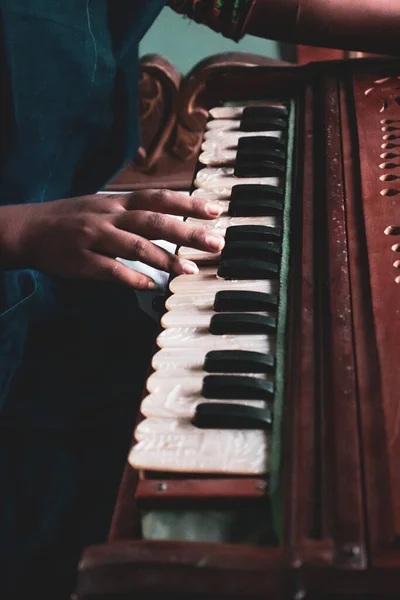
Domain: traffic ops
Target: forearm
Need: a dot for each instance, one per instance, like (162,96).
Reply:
(364,25)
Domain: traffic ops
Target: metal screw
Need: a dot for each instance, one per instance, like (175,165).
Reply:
(161,487)
(299,595)
(347,553)
(351,550)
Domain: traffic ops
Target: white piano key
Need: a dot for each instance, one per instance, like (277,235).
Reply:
(218,156)
(169,406)
(226,145)
(206,280)
(229,138)
(184,384)
(226,112)
(223,203)
(214,195)
(171,339)
(223,177)
(198,256)
(175,445)
(170,361)
(205,300)
(232,124)
(223,222)
(235,112)
(197,337)
(201,302)
(192,317)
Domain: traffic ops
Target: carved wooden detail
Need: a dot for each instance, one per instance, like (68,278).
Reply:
(173,112)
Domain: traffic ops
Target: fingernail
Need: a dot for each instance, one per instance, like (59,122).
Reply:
(215,242)
(151,285)
(190,268)
(213,209)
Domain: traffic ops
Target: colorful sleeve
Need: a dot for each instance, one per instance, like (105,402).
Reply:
(225,16)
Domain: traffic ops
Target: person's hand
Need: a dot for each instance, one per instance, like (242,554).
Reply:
(82,237)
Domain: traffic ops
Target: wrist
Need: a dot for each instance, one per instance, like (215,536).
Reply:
(12,219)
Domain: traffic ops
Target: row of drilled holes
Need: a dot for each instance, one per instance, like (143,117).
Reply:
(390,127)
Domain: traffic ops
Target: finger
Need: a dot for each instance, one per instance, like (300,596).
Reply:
(108,269)
(133,247)
(173,203)
(155,226)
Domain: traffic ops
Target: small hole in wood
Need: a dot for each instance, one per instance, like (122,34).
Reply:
(392,230)
(387,155)
(379,81)
(389,146)
(388,165)
(389,192)
(389,177)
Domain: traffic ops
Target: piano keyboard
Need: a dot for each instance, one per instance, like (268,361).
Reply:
(210,406)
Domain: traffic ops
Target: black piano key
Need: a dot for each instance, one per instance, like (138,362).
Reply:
(237,323)
(270,251)
(264,123)
(256,200)
(242,193)
(262,146)
(242,301)
(239,233)
(237,387)
(237,268)
(262,119)
(238,361)
(258,167)
(255,208)
(259,111)
(225,415)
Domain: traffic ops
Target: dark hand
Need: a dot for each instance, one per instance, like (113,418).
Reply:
(81,237)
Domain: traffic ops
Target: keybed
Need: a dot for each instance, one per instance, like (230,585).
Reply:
(210,404)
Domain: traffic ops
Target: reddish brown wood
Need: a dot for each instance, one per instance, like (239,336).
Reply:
(200,492)
(168,568)
(307,54)
(125,521)
(341,472)
(173,112)
(375,99)
(299,483)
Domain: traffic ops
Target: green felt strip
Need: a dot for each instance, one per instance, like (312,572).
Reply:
(275,458)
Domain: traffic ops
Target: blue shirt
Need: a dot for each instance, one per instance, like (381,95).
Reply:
(69,123)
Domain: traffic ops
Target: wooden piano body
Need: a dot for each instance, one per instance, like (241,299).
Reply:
(337,486)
